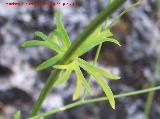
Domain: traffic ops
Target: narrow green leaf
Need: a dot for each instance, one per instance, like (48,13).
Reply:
(81,77)
(107,74)
(49,62)
(42,43)
(34,43)
(62,67)
(68,66)
(107,90)
(41,35)
(46,43)
(64,77)
(78,89)
(17,115)
(49,43)
(112,40)
(65,39)
(90,43)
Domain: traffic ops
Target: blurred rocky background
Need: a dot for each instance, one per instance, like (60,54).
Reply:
(20,84)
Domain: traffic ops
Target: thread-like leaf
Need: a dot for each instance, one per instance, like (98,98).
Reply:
(107,90)
(63,77)
(41,35)
(78,88)
(81,77)
(49,62)
(17,115)
(65,40)
(90,43)
(42,43)
(107,74)
(68,66)
(34,43)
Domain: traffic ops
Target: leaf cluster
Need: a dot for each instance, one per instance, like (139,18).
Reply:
(60,42)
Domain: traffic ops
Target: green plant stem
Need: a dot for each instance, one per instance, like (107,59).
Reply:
(44,92)
(150,97)
(97,54)
(70,52)
(88,101)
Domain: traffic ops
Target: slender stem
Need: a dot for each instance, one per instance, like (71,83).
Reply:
(88,101)
(150,97)
(44,91)
(70,52)
(124,12)
(97,54)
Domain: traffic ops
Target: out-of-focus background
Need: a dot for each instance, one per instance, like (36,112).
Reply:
(138,31)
